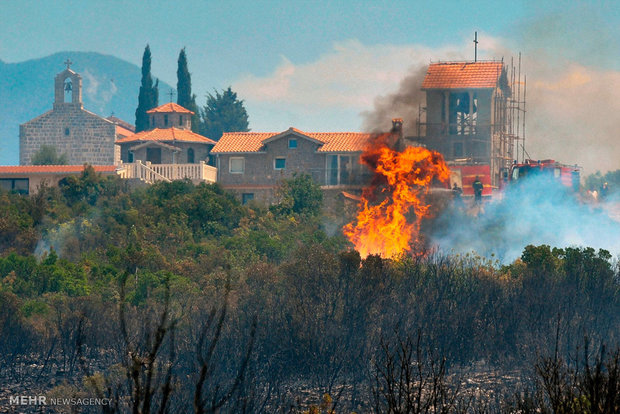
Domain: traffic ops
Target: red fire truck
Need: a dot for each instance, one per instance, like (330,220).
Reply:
(567,175)
(465,175)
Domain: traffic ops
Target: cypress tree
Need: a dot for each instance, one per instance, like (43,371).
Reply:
(149,93)
(184,90)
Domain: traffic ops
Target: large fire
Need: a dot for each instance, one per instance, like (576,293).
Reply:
(384,225)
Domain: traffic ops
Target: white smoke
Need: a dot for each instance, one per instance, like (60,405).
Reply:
(536,211)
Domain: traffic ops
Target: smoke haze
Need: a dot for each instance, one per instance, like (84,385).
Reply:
(573,85)
(404,103)
(536,212)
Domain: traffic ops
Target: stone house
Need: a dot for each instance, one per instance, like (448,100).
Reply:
(253,164)
(170,139)
(84,137)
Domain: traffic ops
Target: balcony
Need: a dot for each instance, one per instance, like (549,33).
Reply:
(150,173)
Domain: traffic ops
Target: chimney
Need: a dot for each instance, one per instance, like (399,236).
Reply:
(397,132)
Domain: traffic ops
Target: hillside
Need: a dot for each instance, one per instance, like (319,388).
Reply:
(282,314)
(110,85)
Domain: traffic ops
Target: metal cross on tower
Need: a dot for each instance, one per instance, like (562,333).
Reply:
(68,63)
(171,93)
(475,46)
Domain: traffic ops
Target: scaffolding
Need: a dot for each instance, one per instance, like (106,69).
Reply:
(515,131)
(497,139)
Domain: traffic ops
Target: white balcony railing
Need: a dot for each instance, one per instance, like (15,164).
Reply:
(150,173)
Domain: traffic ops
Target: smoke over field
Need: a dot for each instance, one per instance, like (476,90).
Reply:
(536,212)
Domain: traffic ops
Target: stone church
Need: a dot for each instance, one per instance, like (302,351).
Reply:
(84,137)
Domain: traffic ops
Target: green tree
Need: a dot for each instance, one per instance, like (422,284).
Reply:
(149,93)
(300,195)
(185,98)
(595,181)
(48,155)
(223,113)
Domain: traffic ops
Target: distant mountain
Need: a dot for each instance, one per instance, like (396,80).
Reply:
(109,85)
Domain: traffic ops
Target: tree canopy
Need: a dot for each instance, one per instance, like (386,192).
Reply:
(596,181)
(224,112)
(149,93)
(185,98)
(300,195)
(104,284)
(48,155)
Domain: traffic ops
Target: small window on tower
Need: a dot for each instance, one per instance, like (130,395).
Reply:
(166,120)
(180,119)
(68,91)
(67,132)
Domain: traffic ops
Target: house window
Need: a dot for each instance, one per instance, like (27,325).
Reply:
(341,170)
(190,156)
(166,119)
(332,170)
(292,143)
(17,185)
(279,163)
(180,119)
(67,131)
(247,197)
(130,156)
(236,165)
(152,121)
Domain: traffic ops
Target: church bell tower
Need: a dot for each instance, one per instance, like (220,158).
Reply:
(68,88)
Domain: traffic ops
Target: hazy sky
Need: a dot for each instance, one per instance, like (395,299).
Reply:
(317,65)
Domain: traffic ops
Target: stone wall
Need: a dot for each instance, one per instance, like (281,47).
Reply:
(83,136)
(169,120)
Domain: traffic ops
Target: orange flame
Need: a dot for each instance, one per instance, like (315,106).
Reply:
(401,181)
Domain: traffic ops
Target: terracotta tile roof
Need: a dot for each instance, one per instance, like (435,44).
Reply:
(123,132)
(232,142)
(121,123)
(242,141)
(170,107)
(156,143)
(166,134)
(52,169)
(342,141)
(456,75)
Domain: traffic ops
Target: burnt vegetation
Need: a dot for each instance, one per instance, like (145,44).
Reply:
(175,298)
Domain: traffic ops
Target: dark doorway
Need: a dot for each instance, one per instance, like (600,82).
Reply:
(153,155)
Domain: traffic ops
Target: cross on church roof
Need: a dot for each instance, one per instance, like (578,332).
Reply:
(68,63)
(171,93)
